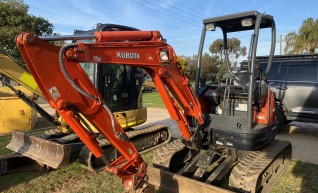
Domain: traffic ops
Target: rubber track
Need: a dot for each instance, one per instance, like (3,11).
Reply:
(246,175)
(85,155)
(150,129)
(163,155)
(142,131)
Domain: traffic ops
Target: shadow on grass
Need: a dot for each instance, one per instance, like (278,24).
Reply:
(308,173)
(11,180)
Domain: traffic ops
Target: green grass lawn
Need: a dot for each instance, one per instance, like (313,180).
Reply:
(152,100)
(299,177)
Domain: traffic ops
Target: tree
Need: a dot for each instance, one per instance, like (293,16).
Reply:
(209,66)
(217,48)
(234,49)
(14,19)
(290,40)
(306,39)
(183,61)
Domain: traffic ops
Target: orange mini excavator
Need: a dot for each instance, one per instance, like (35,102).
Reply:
(241,136)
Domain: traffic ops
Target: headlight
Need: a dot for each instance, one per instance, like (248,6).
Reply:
(210,27)
(247,22)
(164,56)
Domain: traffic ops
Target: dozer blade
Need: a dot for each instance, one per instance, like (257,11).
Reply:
(43,151)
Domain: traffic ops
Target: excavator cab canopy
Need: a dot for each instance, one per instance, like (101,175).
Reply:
(238,22)
(232,25)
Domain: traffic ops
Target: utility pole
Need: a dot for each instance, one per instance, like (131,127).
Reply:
(280,43)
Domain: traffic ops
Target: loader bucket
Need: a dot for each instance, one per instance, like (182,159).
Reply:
(46,152)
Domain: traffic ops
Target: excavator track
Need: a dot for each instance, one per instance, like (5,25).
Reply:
(256,171)
(259,170)
(164,175)
(144,139)
(163,155)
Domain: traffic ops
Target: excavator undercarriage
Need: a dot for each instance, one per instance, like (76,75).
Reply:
(246,171)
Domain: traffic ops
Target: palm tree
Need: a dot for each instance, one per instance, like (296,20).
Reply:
(305,41)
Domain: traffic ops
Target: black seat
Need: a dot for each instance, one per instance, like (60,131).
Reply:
(260,92)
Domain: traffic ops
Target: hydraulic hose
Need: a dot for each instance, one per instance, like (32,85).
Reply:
(80,90)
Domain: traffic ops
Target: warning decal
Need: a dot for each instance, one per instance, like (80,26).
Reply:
(54,93)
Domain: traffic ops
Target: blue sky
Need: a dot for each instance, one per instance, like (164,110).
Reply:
(179,21)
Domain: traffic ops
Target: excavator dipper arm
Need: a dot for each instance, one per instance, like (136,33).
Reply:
(68,89)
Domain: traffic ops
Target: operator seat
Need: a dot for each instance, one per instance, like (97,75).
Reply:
(261,91)
(260,85)
(242,75)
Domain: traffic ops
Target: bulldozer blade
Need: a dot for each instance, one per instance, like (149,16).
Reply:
(168,182)
(41,150)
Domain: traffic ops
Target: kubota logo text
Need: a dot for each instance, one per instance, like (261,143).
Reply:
(128,55)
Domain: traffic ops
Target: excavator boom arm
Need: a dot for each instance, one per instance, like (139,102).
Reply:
(68,89)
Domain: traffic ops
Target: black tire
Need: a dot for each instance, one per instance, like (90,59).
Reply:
(153,90)
(280,114)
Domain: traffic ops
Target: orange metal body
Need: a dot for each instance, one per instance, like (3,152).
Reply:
(262,115)
(138,48)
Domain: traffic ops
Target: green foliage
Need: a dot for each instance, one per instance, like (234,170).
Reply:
(306,38)
(234,49)
(222,71)
(14,19)
(192,63)
(290,40)
(217,48)
(209,66)
(183,61)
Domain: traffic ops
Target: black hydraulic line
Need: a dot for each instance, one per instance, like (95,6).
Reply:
(80,90)
(32,104)
(78,116)
(226,54)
